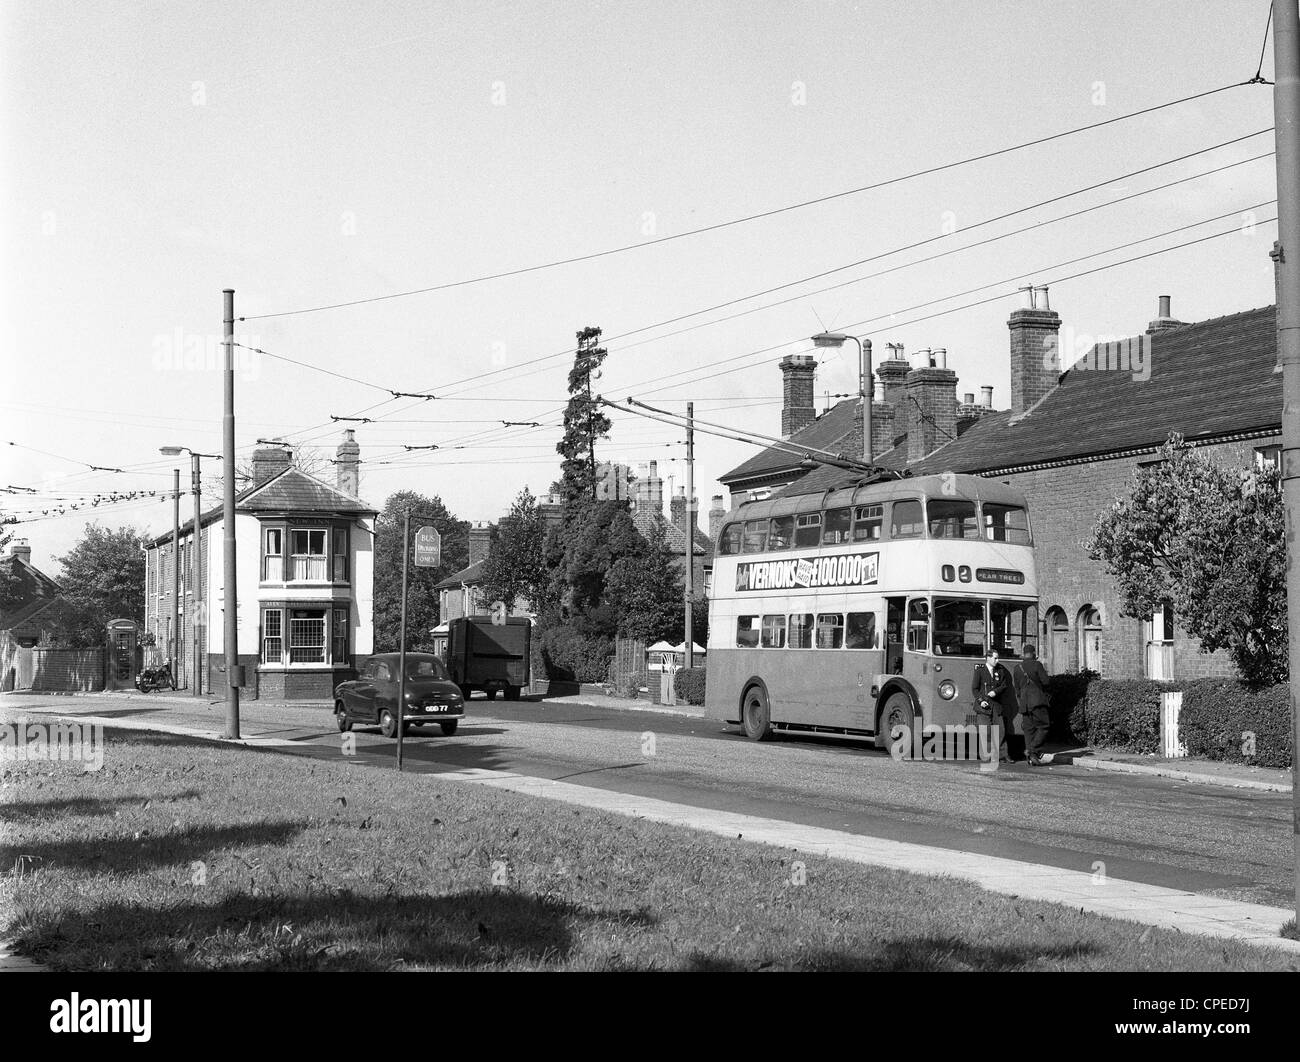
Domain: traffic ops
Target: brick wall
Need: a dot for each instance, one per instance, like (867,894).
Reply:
(1064,504)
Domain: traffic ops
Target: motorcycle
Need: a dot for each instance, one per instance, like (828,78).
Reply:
(155,678)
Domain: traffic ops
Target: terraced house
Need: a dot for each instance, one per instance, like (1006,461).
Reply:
(1071,440)
(305,582)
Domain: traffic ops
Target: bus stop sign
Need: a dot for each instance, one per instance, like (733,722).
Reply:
(428,547)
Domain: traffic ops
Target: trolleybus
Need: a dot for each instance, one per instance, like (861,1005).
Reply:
(862,609)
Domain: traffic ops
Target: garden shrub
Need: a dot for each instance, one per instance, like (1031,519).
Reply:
(1123,715)
(688,685)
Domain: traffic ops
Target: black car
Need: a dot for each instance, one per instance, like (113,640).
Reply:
(431,696)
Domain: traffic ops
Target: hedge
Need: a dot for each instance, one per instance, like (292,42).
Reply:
(688,685)
(573,657)
(1121,715)
(1223,720)
(1066,692)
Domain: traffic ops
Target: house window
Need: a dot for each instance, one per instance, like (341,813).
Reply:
(308,560)
(340,647)
(272,636)
(1159,630)
(1268,458)
(340,554)
(307,636)
(273,555)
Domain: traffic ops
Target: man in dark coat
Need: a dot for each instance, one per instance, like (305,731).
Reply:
(1030,681)
(995,698)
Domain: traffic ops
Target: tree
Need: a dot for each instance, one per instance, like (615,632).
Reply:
(103,579)
(11,585)
(584,423)
(645,590)
(1211,540)
(422,601)
(584,550)
(515,570)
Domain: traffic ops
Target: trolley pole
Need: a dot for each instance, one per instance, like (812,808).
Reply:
(401,654)
(234,677)
(1286,119)
(174,647)
(690,531)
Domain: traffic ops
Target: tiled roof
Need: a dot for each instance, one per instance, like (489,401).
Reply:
(827,432)
(38,591)
(295,491)
(1209,379)
(311,496)
(643,521)
(472,574)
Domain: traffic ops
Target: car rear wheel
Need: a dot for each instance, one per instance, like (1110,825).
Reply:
(341,717)
(756,717)
(490,693)
(512,693)
(388,723)
(449,727)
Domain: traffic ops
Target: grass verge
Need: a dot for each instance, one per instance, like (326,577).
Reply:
(186,855)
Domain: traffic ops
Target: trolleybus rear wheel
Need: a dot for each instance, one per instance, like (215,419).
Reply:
(756,717)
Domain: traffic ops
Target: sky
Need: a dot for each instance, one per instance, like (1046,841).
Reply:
(308,154)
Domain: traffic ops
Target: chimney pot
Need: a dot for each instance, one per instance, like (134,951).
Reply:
(941,357)
(1046,304)
(1164,306)
(968,399)
(986,397)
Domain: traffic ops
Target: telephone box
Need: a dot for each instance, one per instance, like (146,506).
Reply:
(123,636)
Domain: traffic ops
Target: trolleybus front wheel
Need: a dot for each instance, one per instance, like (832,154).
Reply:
(756,717)
(898,712)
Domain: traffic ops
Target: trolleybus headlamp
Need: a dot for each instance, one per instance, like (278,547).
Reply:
(947,690)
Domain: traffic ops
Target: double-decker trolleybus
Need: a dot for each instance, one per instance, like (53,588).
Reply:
(862,609)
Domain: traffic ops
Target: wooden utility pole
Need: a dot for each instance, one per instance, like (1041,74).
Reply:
(1286,120)
(690,532)
(234,673)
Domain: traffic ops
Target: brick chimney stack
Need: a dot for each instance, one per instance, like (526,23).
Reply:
(717,513)
(678,504)
(1035,355)
(347,464)
(800,404)
(1164,322)
(551,510)
(480,541)
(269,461)
(932,394)
(21,549)
(649,490)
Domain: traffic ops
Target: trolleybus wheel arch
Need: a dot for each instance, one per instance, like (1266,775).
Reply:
(756,714)
(898,711)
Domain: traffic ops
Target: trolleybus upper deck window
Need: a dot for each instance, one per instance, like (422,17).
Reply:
(782,533)
(866,522)
(755,536)
(808,529)
(835,526)
(952,518)
(1006,523)
(906,520)
(729,542)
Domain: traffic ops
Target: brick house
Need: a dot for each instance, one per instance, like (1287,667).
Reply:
(36,607)
(1071,441)
(305,554)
